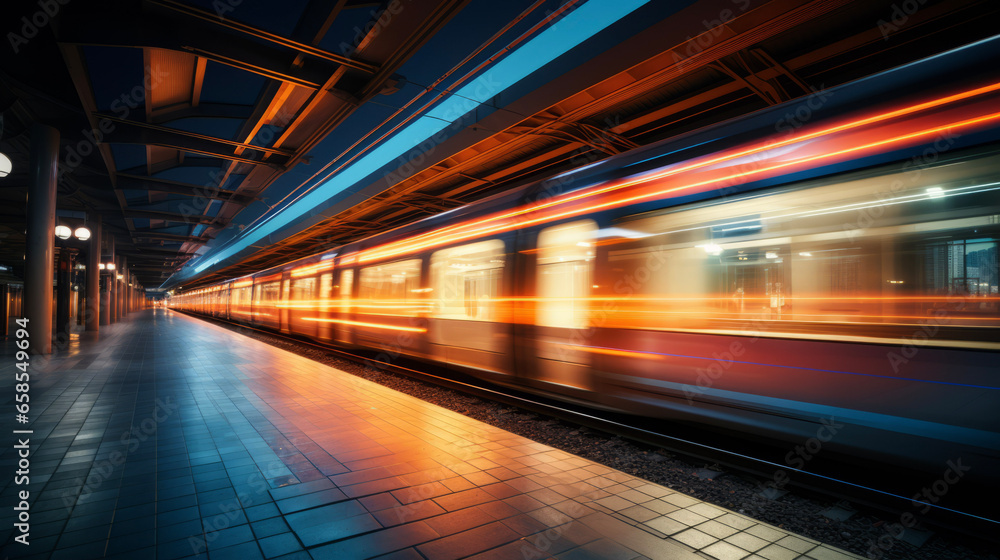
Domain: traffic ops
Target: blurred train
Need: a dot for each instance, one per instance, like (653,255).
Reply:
(826,268)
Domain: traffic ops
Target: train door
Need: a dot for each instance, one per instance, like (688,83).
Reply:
(563,283)
(343,310)
(468,325)
(301,306)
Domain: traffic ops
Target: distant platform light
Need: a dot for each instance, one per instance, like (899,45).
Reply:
(935,192)
(109,266)
(5,165)
(711,249)
(100,266)
(82,233)
(63,232)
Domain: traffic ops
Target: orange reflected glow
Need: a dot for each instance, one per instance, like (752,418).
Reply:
(362,324)
(613,352)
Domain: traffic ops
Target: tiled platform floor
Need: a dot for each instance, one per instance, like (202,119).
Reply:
(171,437)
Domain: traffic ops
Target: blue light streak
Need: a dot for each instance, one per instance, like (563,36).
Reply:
(576,27)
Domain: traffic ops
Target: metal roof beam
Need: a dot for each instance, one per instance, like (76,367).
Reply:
(169,216)
(138,182)
(133,132)
(233,25)
(126,27)
(202,110)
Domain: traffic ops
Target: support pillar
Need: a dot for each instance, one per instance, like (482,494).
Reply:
(118,288)
(5,308)
(39,251)
(113,293)
(106,283)
(63,293)
(124,287)
(92,313)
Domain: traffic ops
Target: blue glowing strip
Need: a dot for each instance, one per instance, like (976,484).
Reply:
(576,27)
(812,411)
(796,367)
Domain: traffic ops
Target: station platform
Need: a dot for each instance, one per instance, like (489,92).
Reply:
(171,437)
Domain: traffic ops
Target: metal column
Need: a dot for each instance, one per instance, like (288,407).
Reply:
(92,314)
(107,295)
(63,293)
(5,308)
(124,287)
(44,169)
(118,288)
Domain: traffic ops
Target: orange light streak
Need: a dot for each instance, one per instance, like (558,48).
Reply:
(312,269)
(468,230)
(612,352)
(361,324)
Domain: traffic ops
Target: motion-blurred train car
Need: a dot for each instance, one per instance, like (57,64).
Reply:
(829,260)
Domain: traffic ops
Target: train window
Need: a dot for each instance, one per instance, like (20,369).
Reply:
(466,281)
(868,254)
(268,293)
(344,289)
(326,286)
(565,265)
(303,289)
(390,288)
(962,267)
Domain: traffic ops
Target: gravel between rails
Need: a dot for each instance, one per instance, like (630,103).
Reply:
(795,513)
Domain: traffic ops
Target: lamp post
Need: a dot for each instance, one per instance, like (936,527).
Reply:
(66,239)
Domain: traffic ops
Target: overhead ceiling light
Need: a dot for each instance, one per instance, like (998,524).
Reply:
(63,232)
(935,192)
(82,233)
(5,165)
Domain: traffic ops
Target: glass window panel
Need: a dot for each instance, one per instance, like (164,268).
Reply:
(565,262)
(390,288)
(467,281)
